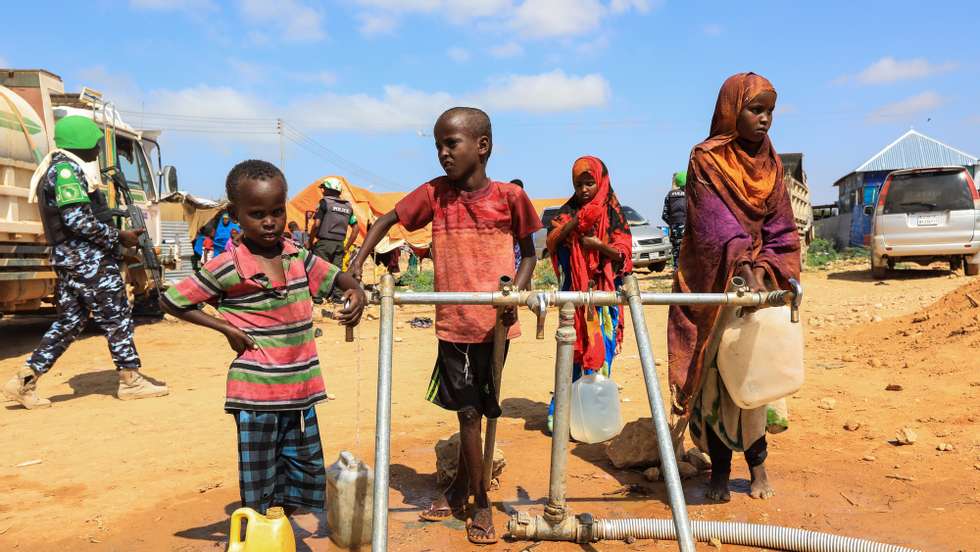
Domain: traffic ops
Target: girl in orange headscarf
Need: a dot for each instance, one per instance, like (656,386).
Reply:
(739,222)
(591,248)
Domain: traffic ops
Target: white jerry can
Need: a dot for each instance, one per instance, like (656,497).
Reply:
(350,501)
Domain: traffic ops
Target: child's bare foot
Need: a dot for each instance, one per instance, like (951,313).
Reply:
(760,487)
(718,488)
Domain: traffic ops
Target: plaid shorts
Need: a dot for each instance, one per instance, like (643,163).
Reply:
(280,459)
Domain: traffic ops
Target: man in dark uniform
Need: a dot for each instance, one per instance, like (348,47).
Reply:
(675,212)
(85,255)
(333,218)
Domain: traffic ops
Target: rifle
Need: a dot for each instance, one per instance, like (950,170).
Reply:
(137,222)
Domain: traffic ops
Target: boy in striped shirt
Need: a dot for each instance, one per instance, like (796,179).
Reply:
(263,289)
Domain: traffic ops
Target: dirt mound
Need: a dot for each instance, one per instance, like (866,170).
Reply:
(943,335)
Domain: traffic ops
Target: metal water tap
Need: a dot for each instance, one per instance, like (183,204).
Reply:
(794,306)
(538,303)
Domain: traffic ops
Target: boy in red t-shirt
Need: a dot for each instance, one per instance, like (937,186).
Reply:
(475,222)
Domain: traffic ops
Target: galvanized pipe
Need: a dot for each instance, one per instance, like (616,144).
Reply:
(499,355)
(382,438)
(668,462)
(565,336)
(594,298)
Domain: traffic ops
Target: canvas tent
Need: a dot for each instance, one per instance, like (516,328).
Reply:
(369,206)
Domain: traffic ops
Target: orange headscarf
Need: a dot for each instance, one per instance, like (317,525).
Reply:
(749,179)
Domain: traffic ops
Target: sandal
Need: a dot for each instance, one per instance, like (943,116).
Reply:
(441,513)
(479,532)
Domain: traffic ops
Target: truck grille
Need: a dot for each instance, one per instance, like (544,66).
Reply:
(651,241)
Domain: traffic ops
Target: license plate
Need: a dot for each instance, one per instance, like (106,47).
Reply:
(930,220)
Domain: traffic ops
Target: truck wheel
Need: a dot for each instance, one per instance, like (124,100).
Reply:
(658,267)
(955,263)
(971,269)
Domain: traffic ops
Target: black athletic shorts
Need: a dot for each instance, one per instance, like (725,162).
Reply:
(463,378)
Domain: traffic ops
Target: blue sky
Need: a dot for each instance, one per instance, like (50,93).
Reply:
(631,81)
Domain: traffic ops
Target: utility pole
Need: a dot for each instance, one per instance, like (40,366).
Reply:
(282,145)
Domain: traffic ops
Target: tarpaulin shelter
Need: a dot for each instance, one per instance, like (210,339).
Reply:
(369,206)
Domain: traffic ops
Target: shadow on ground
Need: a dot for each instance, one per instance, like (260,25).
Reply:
(896,274)
(534,413)
(217,532)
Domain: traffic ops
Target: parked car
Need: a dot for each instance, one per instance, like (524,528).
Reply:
(924,216)
(651,248)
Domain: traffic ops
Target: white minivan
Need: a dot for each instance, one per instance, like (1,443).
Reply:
(923,216)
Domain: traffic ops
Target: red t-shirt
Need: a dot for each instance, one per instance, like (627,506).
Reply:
(473,237)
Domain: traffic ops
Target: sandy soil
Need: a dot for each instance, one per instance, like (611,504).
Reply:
(161,474)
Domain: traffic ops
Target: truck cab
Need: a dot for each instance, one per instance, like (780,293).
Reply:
(31,102)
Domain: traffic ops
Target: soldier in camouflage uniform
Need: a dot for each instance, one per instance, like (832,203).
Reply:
(85,258)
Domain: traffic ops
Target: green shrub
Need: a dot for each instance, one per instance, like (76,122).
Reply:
(544,275)
(421,280)
(821,253)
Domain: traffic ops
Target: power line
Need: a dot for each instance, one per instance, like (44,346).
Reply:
(173,122)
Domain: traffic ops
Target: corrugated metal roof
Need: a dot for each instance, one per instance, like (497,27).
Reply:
(915,150)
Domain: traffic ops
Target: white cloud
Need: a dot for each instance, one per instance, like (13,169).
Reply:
(399,108)
(294,20)
(904,109)
(551,18)
(115,87)
(459,55)
(223,113)
(530,18)
(712,29)
(4,63)
(547,92)
(622,6)
(507,50)
(888,70)
(374,24)
(174,5)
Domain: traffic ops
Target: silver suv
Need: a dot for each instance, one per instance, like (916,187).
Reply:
(651,248)
(924,216)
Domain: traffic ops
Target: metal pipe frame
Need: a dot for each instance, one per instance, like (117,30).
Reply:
(556,524)
(555,511)
(382,438)
(499,357)
(668,462)
(594,298)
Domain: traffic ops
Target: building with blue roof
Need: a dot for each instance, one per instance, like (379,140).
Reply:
(913,150)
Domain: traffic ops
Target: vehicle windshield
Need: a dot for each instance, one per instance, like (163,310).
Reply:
(134,169)
(918,192)
(634,218)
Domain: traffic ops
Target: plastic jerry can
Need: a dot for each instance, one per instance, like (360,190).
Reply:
(595,409)
(269,533)
(760,357)
(350,501)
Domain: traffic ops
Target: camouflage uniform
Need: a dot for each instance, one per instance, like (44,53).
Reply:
(89,277)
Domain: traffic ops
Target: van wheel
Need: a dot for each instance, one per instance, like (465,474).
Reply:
(878,272)
(658,267)
(971,269)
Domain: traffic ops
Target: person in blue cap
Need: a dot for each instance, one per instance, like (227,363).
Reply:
(85,254)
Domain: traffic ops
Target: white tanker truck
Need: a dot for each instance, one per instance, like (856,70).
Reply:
(31,101)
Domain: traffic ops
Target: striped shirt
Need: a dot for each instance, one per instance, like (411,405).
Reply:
(283,372)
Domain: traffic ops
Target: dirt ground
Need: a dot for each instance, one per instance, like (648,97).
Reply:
(161,474)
